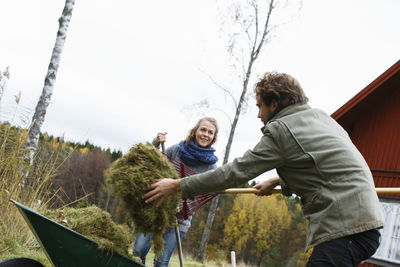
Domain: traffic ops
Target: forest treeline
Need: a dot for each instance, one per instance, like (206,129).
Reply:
(263,231)
(79,168)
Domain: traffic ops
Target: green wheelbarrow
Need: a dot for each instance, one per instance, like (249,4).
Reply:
(65,247)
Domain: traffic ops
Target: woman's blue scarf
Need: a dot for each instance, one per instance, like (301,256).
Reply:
(193,155)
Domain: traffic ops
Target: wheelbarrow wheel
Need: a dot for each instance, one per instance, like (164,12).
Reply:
(20,262)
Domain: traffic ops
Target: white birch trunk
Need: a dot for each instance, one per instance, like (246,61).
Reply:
(44,101)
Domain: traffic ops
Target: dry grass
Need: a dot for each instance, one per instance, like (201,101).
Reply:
(188,261)
(130,177)
(25,184)
(96,224)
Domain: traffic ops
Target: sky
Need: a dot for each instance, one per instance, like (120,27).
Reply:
(130,69)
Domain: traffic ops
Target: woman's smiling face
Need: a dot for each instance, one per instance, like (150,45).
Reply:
(205,134)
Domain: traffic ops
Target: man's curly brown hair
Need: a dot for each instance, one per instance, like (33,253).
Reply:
(282,88)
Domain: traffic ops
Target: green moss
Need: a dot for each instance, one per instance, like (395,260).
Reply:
(130,177)
(95,224)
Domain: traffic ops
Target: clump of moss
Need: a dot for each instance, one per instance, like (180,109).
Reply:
(130,177)
(96,224)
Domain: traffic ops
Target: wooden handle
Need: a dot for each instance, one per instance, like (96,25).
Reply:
(163,147)
(379,190)
(387,190)
(244,191)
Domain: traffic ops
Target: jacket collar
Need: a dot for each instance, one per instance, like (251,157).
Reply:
(289,110)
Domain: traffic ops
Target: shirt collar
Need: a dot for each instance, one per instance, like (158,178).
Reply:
(289,110)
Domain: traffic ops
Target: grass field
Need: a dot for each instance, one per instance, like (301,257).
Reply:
(189,262)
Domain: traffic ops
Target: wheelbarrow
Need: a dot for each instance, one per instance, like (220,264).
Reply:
(65,247)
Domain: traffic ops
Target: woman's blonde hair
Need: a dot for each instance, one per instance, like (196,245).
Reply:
(193,131)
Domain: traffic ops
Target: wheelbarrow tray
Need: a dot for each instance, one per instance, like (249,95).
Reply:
(65,247)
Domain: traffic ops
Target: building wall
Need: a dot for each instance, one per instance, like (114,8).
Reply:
(374,127)
(377,135)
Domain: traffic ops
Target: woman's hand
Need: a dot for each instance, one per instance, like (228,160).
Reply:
(266,188)
(162,189)
(161,137)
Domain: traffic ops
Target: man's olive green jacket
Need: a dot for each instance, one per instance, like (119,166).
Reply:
(315,160)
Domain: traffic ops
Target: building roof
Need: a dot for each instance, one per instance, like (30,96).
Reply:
(349,110)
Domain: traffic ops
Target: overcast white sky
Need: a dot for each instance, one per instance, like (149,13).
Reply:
(132,68)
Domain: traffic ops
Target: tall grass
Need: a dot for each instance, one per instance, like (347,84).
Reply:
(27,184)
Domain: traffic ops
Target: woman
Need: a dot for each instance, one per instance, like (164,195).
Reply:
(197,156)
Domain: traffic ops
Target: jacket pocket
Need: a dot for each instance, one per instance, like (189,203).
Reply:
(311,206)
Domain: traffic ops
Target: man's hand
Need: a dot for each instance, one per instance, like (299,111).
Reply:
(162,189)
(265,188)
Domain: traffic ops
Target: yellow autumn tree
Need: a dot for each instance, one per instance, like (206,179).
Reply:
(303,258)
(256,225)
(84,150)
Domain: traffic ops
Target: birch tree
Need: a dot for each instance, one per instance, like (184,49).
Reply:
(251,31)
(44,100)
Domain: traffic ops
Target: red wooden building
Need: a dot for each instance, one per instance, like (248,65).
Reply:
(372,119)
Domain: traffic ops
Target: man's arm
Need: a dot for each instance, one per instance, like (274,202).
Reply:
(167,186)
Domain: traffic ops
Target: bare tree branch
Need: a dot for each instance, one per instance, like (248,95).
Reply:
(246,30)
(226,91)
(265,32)
(224,112)
(255,6)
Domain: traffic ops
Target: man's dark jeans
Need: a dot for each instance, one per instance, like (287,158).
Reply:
(347,251)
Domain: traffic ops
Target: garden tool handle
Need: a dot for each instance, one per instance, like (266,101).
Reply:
(379,190)
(179,244)
(245,191)
(387,190)
(177,234)
(163,147)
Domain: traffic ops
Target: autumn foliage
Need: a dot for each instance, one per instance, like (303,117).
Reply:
(263,231)
(256,225)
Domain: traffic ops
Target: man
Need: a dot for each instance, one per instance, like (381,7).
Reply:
(316,160)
